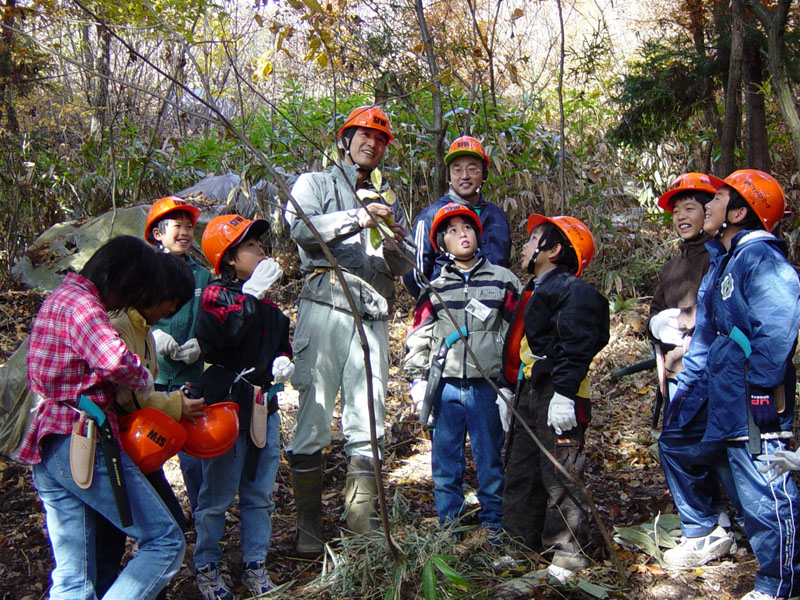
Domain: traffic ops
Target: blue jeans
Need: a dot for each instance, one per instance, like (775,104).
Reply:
(71,522)
(191,467)
(223,477)
(467,406)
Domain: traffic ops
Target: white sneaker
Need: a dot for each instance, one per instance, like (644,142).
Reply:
(696,551)
(563,575)
(256,579)
(756,595)
(211,584)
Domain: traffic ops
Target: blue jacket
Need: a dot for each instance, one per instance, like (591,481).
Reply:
(495,242)
(754,288)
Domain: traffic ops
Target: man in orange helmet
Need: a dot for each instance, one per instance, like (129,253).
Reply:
(468,168)
(327,347)
(740,358)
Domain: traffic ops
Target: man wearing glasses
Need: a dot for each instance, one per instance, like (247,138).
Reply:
(468,166)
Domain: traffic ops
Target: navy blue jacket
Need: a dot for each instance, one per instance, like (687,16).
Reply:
(754,288)
(495,242)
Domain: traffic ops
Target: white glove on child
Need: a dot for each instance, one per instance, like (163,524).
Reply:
(503,398)
(779,463)
(148,388)
(264,275)
(417,392)
(189,352)
(561,413)
(664,327)
(165,343)
(282,369)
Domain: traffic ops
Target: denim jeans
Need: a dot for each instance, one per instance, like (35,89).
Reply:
(71,521)
(223,477)
(191,467)
(467,406)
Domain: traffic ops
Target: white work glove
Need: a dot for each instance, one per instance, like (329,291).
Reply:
(664,327)
(417,392)
(189,352)
(148,388)
(503,398)
(282,369)
(264,275)
(561,413)
(779,463)
(165,343)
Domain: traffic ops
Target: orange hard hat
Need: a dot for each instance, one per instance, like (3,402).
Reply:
(453,209)
(371,117)
(762,192)
(150,437)
(576,233)
(213,433)
(466,146)
(226,231)
(162,207)
(699,182)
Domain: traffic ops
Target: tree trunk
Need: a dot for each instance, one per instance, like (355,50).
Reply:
(7,66)
(437,128)
(732,118)
(774,23)
(709,103)
(756,146)
(98,100)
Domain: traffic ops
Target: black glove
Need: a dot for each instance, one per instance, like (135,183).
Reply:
(674,406)
(762,407)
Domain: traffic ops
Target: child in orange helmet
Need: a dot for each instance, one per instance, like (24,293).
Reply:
(566,324)
(245,339)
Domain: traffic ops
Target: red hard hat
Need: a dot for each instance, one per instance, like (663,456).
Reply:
(371,117)
(576,233)
(762,192)
(150,437)
(689,181)
(453,209)
(162,207)
(225,231)
(214,433)
(466,146)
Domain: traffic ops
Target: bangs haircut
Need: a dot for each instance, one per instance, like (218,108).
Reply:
(161,223)
(226,270)
(699,196)
(125,272)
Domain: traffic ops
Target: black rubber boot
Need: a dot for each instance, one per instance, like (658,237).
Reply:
(307,485)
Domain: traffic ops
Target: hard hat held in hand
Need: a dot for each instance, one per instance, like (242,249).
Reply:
(214,433)
(150,437)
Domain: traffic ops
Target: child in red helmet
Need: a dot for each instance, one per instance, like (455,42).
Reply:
(481,297)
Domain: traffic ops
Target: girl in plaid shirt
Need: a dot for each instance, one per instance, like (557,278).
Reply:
(74,351)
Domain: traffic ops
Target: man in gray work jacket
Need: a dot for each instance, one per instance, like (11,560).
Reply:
(327,348)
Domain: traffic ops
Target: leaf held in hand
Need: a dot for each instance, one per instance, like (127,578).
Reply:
(377,178)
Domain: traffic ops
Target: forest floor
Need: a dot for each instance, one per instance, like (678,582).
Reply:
(623,476)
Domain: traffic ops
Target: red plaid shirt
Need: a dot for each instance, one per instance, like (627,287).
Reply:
(74,350)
